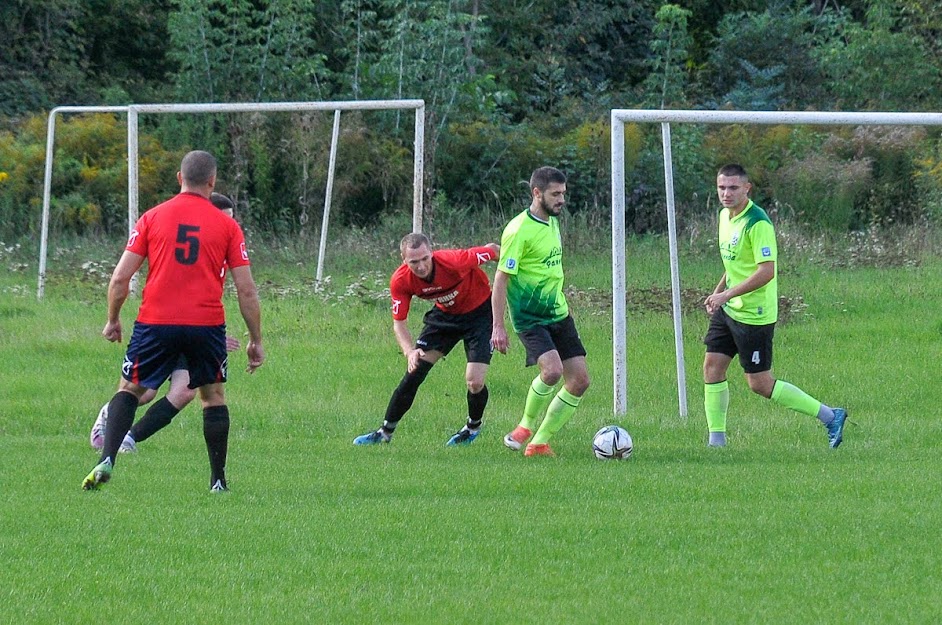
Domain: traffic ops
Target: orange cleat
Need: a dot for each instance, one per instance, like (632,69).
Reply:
(539,450)
(517,438)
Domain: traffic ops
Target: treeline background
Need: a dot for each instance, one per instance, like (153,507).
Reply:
(509,85)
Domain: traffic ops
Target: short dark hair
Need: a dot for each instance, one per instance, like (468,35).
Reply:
(544,176)
(414,241)
(733,170)
(222,202)
(198,167)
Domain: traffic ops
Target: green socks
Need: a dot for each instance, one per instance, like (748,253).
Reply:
(559,412)
(715,404)
(791,396)
(538,398)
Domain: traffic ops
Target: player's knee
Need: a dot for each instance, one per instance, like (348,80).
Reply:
(578,385)
(180,397)
(760,385)
(475,385)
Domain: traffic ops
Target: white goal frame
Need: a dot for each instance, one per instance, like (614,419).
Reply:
(619,118)
(134,110)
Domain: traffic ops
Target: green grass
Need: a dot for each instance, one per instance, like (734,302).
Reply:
(774,529)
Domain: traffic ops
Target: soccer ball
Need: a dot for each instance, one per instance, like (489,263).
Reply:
(612,443)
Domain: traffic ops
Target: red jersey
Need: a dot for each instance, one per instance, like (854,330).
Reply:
(188,242)
(457,284)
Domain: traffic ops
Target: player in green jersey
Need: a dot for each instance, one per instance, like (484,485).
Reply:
(743,309)
(529,282)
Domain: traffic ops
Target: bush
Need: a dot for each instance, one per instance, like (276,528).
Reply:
(89,178)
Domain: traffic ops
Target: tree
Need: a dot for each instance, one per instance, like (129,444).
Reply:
(881,64)
(41,59)
(665,83)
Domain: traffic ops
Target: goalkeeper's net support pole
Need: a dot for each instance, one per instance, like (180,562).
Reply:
(619,118)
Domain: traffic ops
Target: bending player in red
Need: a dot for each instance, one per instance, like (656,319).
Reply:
(461,291)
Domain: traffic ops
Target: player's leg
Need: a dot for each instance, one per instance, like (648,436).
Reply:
(477,348)
(437,338)
(576,382)
(401,401)
(720,349)
(97,435)
(216,433)
(477,398)
(207,362)
(755,353)
(541,351)
(791,396)
(162,412)
(147,364)
(120,416)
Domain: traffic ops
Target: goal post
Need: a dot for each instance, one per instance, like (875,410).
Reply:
(133,111)
(619,117)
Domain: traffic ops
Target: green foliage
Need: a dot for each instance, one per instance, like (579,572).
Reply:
(763,59)
(666,81)
(823,192)
(243,51)
(880,65)
(90,188)
(488,166)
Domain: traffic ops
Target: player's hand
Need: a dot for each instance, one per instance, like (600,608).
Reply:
(112,331)
(413,358)
(499,341)
(714,302)
(232,344)
(256,355)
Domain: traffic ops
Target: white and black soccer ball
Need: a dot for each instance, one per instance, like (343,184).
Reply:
(612,443)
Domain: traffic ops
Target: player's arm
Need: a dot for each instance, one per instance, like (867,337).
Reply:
(118,288)
(710,301)
(251,310)
(499,340)
(759,278)
(406,344)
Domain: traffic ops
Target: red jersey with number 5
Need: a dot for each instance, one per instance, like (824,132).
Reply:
(457,284)
(187,242)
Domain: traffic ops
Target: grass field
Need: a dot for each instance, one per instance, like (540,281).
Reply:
(776,528)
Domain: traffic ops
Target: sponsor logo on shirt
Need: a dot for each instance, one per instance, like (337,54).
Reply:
(555,257)
(735,239)
(395,306)
(766,252)
(511,263)
(483,257)
(447,300)
(133,238)
(245,254)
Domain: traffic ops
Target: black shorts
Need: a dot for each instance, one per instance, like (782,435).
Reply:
(561,336)
(442,331)
(753,343)
(154,352)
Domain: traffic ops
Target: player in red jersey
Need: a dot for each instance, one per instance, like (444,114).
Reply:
(187,243)
(454,280)
(161,413)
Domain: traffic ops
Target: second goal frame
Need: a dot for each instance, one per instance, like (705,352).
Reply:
(619,117)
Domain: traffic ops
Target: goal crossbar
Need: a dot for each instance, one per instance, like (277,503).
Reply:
(619,117)
(134,110)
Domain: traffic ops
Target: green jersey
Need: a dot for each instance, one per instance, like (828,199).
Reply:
(531,254)
(746,241)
